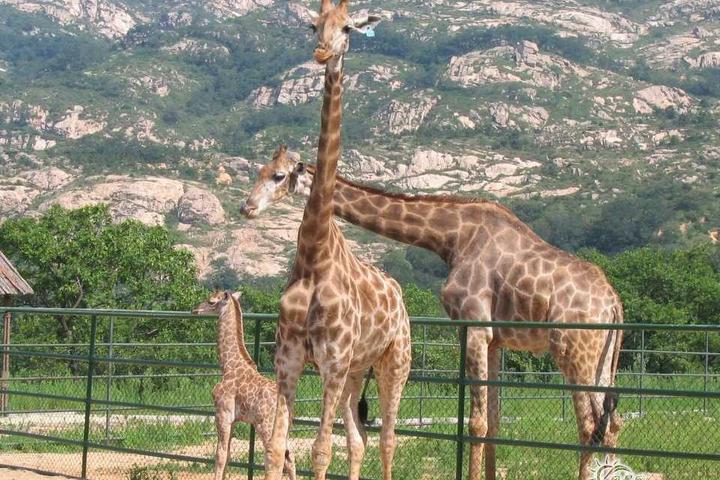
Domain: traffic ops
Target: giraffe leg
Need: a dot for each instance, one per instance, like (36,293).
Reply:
(223,424)
(477,369)
(575,369)
(392,374)
(333,364)
(355,432)
(333,385)
(493,410)
(289,362)
(586,424)
(264,430)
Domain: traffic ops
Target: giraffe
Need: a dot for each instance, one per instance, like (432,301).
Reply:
(242,394)
(498,269)
(338,313)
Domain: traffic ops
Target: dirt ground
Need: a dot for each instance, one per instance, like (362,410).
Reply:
(10,474)
(106,465)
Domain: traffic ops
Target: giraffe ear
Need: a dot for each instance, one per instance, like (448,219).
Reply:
(237,295)
(364,24)
(226,295)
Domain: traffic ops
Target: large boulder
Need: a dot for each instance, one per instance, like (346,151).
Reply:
(660,97)
(198,206)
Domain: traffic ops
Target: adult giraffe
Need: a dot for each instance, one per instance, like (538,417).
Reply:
(341,314)
(498,269)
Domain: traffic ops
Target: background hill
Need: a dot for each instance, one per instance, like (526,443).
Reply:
(596,121)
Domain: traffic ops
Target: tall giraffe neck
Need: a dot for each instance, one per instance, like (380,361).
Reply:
(316,223)
(231,338)
(431,222)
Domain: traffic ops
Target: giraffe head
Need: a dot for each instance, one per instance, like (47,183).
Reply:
(333,27)
(216,302)
(283,175)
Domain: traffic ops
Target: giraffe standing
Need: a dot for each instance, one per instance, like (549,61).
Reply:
(498,270)
(340,314)
(242,394)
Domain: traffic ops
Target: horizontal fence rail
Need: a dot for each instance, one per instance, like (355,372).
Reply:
(111,406)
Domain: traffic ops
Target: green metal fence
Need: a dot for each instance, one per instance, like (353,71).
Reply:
(129,398)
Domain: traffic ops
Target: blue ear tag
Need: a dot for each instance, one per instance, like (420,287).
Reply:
(370,33)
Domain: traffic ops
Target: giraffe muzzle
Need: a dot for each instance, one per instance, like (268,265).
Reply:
(322,55)
(249,211)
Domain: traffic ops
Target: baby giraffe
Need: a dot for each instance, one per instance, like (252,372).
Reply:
(242,394)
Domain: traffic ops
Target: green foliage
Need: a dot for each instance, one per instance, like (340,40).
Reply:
(414,265)
(116,154)
(631,220)
(441,47)
(421,302)
(36,55)
(80,259)
(704,82)
(667,287)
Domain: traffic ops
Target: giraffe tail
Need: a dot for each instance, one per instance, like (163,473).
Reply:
(611,398)
(363,408)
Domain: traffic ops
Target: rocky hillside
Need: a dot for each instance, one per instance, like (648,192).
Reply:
(165,109)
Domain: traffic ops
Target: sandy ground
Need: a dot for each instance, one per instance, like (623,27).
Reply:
(106,465)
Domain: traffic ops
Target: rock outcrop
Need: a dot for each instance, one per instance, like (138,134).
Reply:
(198,206)
(579,20)
(523,63)
(108,18)
(149,200)
(47,179)
(660,97)
(400,117)
(73,127)
(15,200)
(706,60)
(236,8)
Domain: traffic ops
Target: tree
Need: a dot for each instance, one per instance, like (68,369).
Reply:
(81,259)
(667,287)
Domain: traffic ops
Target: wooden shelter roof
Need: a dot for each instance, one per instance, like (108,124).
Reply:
(11,283)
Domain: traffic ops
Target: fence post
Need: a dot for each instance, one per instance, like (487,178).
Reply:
(563,394)
(501,376)
(461,405)
(424,366)
(642,367)
(707,370)
(256,357)
(88,395)
(109,381)
(5,376)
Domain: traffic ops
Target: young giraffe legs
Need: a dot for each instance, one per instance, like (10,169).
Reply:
(493,410)
(392,373)
(224,417)
(354,430)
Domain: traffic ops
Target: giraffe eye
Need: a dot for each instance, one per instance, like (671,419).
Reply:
(346,29)
(278,177)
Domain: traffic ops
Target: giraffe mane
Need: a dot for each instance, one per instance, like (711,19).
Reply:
(447,198)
